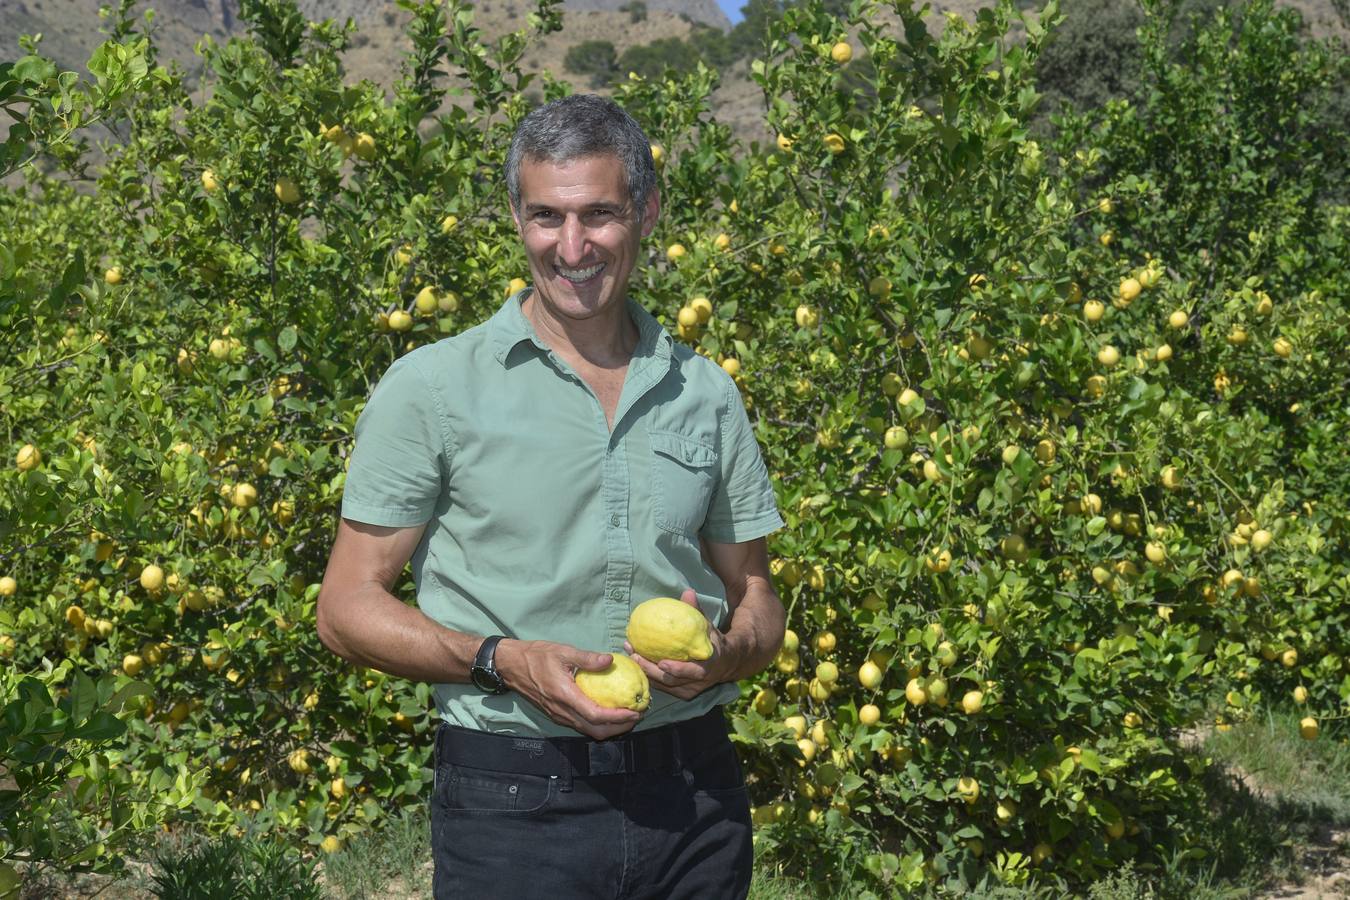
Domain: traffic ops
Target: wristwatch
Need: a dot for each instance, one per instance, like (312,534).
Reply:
(483,673)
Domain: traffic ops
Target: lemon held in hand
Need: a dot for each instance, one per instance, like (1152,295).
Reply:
(666,628)
(620,685)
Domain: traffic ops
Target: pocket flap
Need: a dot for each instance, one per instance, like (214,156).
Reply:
(682,448)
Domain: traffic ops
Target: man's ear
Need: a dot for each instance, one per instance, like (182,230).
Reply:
(651,211)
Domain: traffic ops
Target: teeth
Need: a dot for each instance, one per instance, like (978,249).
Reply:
(580,274)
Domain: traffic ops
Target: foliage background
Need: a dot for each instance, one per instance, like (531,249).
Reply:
(905,283)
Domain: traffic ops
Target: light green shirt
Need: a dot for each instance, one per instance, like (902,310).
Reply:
(541,523)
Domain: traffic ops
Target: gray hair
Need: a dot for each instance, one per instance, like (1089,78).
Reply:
(578,126)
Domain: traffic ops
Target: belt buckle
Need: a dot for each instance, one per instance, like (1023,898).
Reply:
(608,758)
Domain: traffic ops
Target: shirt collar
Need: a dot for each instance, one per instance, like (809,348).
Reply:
(508,327)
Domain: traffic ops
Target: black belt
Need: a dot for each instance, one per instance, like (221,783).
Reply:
(660,749)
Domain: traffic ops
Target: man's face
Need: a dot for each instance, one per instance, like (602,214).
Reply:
(581,232)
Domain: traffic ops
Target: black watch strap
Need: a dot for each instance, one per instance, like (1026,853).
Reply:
(484,673)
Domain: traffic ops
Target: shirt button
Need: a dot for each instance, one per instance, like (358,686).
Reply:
(616,594)
(614,520)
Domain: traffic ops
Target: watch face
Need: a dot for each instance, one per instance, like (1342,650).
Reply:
(485,679)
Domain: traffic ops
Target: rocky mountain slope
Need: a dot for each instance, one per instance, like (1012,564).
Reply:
(70,31)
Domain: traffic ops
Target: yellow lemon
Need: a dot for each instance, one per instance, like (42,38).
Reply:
(869,675)
(28,458)
(841,52)
(620,685)
(244,495)
(426,300)
(702,306)
(666,628)
(152,578)
(286,190)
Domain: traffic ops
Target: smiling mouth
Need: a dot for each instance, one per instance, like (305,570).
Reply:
(580,276)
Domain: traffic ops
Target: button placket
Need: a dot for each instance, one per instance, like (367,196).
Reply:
(620,562)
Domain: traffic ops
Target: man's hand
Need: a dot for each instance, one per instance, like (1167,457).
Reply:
(687,679)
(544,673)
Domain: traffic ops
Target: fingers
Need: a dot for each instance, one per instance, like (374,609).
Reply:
(587,661)
(690,596)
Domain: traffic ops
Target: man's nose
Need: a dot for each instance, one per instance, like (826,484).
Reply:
(572,241)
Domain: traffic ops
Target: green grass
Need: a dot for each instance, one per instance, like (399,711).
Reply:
(401,851)
(1312,775)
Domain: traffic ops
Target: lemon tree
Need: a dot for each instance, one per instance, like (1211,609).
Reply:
(1054,423)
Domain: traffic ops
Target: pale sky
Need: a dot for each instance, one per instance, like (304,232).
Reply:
(732,8)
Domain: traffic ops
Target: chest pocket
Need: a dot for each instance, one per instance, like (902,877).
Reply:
(684,473)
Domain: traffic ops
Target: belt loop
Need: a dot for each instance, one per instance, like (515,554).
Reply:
(630,757)
(565,779)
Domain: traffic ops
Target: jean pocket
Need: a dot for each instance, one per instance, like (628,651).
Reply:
(683,477)
(468,791)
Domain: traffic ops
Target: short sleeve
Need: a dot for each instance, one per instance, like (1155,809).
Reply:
(743,506)
(401,458)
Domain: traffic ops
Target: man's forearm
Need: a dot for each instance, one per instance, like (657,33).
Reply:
(755,633)
(373,628)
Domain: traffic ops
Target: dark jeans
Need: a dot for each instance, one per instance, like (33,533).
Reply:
(685,833)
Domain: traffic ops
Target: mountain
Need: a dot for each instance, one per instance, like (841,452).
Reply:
(70,28)
(71,31)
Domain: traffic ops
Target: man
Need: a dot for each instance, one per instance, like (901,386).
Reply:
(545,472)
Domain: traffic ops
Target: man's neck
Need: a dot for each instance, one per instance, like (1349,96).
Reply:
(606,342)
